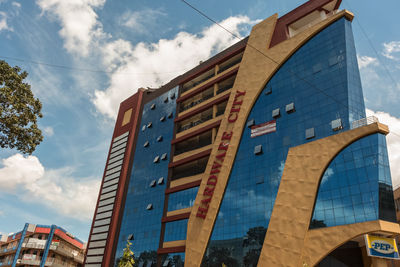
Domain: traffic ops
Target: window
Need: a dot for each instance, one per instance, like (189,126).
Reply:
(276,113)
(149,125)
(268,89)
(336,124)
(144,128)
(160,138)
(162,118)
(258,150)
(310,133)
(250,123)
(146,144)
(333,61)
(164,156)
(173,96)
(166,99)
(170,115)
(153,106)
(156,159)
(130,237)
(290,108)
(161,180)
(166,263)
(317,68)
(149,207)
(153,183)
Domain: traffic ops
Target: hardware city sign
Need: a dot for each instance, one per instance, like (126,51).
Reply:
(219,158)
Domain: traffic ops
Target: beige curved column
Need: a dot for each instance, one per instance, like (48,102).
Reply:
(288,236)
(255,70)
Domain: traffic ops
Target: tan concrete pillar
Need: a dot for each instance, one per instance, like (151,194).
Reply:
(379,262)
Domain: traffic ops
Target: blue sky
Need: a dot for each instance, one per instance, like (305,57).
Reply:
(108,49)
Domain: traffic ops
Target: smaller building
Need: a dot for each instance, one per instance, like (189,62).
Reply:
(396,193)
(41,245)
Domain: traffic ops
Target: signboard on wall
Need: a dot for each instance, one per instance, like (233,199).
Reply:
(381,247)
(263,128)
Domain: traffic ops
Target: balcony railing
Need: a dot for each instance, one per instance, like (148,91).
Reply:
(364,122)
(195,103)
(194,123)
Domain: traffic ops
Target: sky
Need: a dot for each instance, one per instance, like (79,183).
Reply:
(86,56)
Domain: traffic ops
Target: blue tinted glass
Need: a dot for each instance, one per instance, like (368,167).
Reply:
(355,188)
(175,230)
(182,199)
(145,224)
(323,89)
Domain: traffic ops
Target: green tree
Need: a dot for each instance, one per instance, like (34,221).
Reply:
(19,111)
(128,259)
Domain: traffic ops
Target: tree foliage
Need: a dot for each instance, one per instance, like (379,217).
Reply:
(19,111)
(128,259)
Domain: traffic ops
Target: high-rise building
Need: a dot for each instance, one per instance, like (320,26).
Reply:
(260,156)
(41,245)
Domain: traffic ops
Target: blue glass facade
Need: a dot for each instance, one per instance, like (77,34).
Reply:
(325,87)
(145,197)
(182,199)
(175,230)
(356,182)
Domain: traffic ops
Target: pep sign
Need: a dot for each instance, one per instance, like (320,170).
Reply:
(381,247)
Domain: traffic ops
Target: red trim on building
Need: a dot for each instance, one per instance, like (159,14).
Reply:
(176,217)
(281,29)
(42,230)
(171,250)
(195,133)
(203,108)
(182,187)
(67,238)
(189,159)
(208,85)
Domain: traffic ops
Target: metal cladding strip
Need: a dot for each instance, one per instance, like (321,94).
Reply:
(120,136)
(47,246)
(14,263)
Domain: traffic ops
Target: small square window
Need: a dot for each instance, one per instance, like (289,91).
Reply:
(153,183)
(258,150)
(153,106)
(172,96)
(166,99)
(268,89)
(166,263)
(290,108)
(164,156)
(143,128)
(260,179)
(146,144)
(170,115)
(160,138)
(333,61)
(130,237)
(276,113)
(162,118)
(317,68)
(149,207)
(160,180)
(336,125)
(250,123)
(156,159)
(149,125)
(310,133)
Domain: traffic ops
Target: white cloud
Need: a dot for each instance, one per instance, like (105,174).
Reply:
(16,4)
(140,21)
(3,22)
(79,25)
(48,131)
(393,142)
(155,64)
(391,50)
(56,188)
(365,61)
